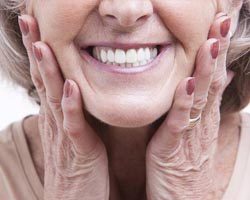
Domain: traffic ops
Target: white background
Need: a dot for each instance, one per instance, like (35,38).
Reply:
(15,104)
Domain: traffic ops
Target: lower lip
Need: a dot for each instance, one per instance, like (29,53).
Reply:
(123,70)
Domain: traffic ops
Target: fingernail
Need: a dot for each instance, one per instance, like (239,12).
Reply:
(215,49)
(67,90)
(225,26)
(37,52)
(190,86)
(24,28)
(221,14)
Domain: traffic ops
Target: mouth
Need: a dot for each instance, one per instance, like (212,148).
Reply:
(124,58)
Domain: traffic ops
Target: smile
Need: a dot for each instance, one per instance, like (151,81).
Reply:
(126,59)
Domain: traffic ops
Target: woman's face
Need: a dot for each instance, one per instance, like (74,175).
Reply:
(126,99)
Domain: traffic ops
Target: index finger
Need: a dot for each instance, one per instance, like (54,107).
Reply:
(30,34)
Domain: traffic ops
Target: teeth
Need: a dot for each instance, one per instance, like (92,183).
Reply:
(141,54)
(136,64)
(147,53)
(120,56)
(129,58)
(104,56)
(111,56)
(144,62)
(154,53)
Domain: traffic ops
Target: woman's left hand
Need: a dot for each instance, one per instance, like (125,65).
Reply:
(179,159)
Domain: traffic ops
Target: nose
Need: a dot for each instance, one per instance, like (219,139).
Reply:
(125,13)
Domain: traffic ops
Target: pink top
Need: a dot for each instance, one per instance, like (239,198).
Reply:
(19,179)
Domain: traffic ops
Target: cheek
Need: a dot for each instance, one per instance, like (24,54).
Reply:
(188,21)
(62,19)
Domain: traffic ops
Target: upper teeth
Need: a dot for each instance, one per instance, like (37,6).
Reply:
(129,58)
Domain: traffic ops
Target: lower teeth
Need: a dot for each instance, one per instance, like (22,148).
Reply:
(128,65)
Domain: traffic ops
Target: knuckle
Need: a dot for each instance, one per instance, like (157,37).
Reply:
(217,85)
(54,103)
(199,103)
(51,129)
(183,107)
(71,108)
(71,129)
(38,84)
(175,126)
(50,72)
(51,122)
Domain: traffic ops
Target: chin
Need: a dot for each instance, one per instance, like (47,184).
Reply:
(128,116)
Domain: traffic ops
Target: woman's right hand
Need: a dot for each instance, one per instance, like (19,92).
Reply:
(75,159)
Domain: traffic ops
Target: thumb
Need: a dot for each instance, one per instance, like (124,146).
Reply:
(83,137)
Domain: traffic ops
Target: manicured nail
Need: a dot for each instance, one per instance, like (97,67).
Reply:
(224,27)
(190,86)
(67,90)
(215,49)
(23,26)
(37,52)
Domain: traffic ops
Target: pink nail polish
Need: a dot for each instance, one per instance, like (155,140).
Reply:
(215,49)
(225,26)
(67,90)
(24,28)
(190,86)
(37,52)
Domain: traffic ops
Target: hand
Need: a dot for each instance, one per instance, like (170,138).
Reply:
(179,160)
(76,164)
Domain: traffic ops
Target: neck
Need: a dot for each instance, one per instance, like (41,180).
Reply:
(126,149)
(123,141)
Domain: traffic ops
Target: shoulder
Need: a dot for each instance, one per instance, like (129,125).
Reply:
(8,160)
(8,144)
(6,140)
(11,138)
(14,163)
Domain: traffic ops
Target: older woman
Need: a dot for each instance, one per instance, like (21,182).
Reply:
(139,99)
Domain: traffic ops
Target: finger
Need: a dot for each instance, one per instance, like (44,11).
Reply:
(75,126)
(220,30)
(30,34)
(205,67)
(168,137)
(51,77)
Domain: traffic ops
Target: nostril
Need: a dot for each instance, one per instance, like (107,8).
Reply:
(143,18)
(110,16)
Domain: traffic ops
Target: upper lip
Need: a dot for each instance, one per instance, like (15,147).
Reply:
(124,46)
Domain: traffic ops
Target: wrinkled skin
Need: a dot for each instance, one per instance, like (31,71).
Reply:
(75,159)
(111,98)
(182,159)
(175,156)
